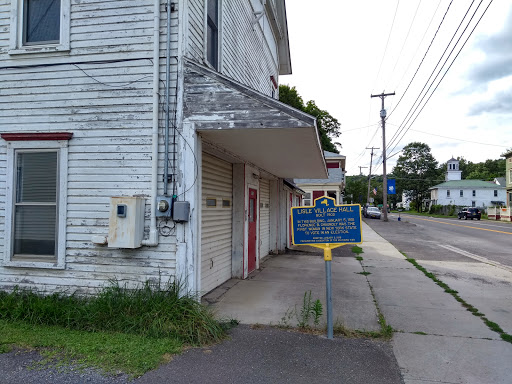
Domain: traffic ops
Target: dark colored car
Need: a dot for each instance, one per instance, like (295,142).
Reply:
(469,213)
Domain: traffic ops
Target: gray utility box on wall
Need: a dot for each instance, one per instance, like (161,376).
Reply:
(126,222)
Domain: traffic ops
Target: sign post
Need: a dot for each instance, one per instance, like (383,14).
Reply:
(326,225)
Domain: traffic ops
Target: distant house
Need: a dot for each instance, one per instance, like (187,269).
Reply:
(470,193)
(508,174)
(333,186)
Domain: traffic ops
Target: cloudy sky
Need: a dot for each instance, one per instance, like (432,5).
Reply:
(344,51)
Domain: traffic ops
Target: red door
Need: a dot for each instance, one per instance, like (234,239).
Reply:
(290,220)
(316,195)
(253,216)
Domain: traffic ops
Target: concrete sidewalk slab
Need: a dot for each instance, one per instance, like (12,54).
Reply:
(435,359)
(270,295)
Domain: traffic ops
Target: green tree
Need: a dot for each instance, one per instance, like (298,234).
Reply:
(328,126)
(356,189)
(416,171)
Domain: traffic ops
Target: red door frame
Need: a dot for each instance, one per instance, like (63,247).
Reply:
(252,232)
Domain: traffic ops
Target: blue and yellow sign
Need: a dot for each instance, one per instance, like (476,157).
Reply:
(327,223)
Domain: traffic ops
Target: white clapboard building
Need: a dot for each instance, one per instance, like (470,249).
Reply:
(144,140)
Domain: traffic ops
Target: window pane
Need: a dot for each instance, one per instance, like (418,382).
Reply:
(213,10)
(36,177)
(34,230)
(42,20)
(212,46)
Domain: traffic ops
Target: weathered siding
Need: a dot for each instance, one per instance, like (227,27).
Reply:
(195,30)
(248,52)
(108,108)
(245,51)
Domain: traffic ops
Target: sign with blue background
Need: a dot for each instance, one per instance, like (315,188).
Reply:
(326,223)
(391,187)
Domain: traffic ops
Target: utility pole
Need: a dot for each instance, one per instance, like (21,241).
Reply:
(361,173)
(385,181)
(370,176)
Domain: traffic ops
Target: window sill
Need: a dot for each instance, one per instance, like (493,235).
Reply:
(38,49)
(33,264)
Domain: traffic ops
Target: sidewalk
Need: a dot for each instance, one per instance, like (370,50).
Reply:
(436,339)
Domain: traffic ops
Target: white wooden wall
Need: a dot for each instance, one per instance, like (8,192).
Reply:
(248,52)
(109,111)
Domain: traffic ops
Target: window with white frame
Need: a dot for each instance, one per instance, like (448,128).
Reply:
(461,193)
(307,199)
(39,26)
(495,193)
(212,32)
(35,204)
(448,193)
(474,193)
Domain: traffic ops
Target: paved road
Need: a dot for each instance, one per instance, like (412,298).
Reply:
(448,239)
(472,257)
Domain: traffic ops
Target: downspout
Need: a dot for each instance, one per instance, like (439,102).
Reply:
(153,231)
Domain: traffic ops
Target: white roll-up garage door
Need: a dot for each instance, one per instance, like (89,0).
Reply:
(216,225)
(264,217)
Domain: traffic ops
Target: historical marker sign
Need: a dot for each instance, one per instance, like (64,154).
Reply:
(326,223)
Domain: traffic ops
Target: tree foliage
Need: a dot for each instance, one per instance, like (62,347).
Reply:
(356,189)
(416,171)
(328,126)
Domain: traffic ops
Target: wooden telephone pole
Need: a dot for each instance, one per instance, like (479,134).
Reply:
(370,176)
(385,176)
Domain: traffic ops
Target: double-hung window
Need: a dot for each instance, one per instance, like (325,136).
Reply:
(35,224)
(39,26)
(212,33)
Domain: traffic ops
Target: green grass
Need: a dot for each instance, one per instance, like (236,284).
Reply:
(359,258)
(120,328)
(364,273)
(357,250)
(112,352)
(492,326)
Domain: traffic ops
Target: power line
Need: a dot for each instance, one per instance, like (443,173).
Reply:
(455,58)
(419,66)
(453,138)
(409,115)
(387,42)
(405,41)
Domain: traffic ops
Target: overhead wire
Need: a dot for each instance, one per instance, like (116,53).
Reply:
(456,56)
(422,60)
(411,111)
(405,41)
(387,43)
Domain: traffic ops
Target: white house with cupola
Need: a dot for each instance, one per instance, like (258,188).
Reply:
(468,193)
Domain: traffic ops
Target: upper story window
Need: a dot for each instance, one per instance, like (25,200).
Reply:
(474,193)
(461,193)
(495,193)
(212,33)
(41,22)
(448,193)
(39,26)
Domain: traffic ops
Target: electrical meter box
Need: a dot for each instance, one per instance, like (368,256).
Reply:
(126,222)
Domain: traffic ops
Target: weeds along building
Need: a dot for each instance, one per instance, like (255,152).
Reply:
(144,140)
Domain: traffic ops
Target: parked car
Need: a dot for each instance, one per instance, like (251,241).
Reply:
(373,212)
(469,213)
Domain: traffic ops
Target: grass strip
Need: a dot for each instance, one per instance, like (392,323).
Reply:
(111,352)
(131,329)
(491,325)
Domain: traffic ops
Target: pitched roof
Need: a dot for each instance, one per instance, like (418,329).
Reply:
(477,184)
(501,180)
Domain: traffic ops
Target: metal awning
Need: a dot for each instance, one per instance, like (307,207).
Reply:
(256,128)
